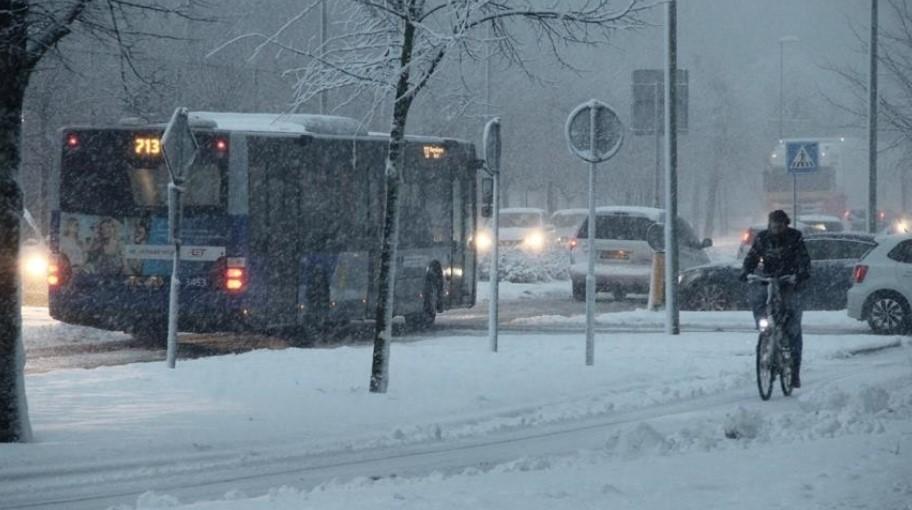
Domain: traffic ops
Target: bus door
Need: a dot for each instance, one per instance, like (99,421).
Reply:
(274,211)
(456,272)
(463,271)
(335,202)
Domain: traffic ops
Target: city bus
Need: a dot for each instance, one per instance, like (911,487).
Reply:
(282,226)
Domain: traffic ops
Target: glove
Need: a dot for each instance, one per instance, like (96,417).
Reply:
(792,279)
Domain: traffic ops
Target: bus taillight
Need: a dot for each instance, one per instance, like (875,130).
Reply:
(58,271)
(235,279)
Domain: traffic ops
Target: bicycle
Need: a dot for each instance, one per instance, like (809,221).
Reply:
(773,354)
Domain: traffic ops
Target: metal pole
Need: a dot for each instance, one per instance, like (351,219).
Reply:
(495,255)
(590,238)
(672,322)
(872,124)
(487,72)
(323,23)
(175,188)
(492,150)
(657,193)
(781,72)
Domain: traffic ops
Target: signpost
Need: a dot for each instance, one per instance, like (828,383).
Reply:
(801,157)
(179,148)
(594,134)
(492,148)
(649,112)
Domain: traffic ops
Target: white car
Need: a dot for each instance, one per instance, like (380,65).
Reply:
(520,227)
(624,257)
(882,286)
(821,223)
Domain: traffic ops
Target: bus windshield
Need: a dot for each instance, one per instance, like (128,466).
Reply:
(102,174)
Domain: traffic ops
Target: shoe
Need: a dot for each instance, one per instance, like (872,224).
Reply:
(796,380)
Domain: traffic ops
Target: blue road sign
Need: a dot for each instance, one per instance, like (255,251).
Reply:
(802,157)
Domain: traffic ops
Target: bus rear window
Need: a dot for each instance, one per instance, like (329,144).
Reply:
(101,178)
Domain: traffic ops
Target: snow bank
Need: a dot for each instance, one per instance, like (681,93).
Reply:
(713,460)
(645,319)
(519,266)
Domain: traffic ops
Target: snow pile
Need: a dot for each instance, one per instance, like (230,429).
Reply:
(641,440)
(836,321)
(744,424)
(680,463)
(519,266)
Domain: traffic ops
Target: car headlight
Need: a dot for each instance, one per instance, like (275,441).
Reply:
(483,242)
(534,241)
(764,323)
(35,265)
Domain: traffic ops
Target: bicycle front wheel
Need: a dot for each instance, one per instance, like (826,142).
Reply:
(764,367)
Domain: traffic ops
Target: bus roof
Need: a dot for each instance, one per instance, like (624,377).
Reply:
(297,123)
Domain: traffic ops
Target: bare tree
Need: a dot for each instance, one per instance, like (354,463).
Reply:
(30,30)
(895,65)
(394,48)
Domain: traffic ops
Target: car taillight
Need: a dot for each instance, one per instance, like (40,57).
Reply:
(860,272)
(573,243)
(58,271)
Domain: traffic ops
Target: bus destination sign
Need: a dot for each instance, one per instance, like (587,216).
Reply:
(147,146)
(434,152)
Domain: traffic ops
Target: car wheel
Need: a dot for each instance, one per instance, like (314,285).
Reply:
(579,290)
(711,297)
(888,313)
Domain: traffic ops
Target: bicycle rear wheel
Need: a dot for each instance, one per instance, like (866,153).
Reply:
(785,374)
(764,367)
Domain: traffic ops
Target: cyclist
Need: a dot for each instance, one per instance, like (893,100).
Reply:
(782,252)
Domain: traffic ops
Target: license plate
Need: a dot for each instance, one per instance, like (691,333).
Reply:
(614,255)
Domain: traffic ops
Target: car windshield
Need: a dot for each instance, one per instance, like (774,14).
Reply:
(618,227)
(526,219)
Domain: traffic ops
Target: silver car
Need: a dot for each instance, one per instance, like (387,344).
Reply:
(623,256)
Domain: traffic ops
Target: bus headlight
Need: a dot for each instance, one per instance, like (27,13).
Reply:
(483,242)
(534,241)
(36,266)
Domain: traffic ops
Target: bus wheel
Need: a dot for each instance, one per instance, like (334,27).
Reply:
(428,314)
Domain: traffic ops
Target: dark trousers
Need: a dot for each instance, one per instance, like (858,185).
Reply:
(792,300)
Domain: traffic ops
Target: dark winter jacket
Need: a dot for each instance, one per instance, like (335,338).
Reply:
(781,255)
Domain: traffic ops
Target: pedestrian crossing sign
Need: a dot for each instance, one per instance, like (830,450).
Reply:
(802,157)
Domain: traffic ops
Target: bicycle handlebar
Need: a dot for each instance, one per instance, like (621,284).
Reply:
(788,278)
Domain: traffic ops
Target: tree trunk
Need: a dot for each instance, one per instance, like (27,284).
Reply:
(14,72)
(386,279)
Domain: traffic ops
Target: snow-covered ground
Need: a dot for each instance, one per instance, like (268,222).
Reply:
(658,422)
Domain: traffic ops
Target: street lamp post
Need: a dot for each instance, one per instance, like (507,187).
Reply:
(782,41)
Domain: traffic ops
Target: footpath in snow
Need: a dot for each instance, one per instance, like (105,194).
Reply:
(704,440)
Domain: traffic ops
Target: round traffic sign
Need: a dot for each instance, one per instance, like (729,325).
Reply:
(655,237)
(594,117)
